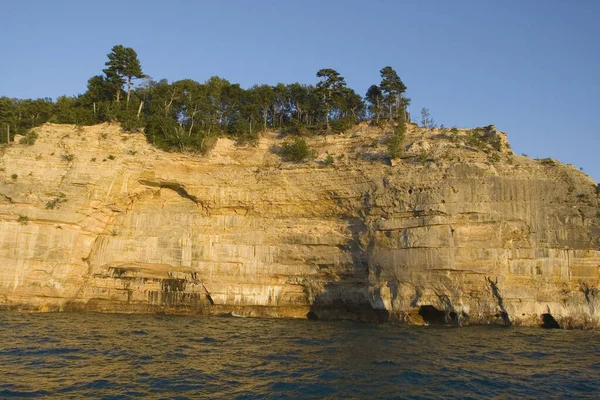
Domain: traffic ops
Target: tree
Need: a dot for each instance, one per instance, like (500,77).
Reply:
(122,63)
(329,88)
(375,97)
(297,150)
(263,97)
(8,118)
(426,119)
(393,87)
(396,142)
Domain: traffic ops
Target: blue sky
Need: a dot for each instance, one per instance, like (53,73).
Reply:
(531,67)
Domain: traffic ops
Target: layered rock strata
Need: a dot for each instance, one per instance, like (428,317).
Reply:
(455,231)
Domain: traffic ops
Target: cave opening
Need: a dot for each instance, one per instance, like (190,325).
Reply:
(432,316)
(312,316)
(453,318)
(549,322)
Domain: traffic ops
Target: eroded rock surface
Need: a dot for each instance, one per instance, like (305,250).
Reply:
(453,232)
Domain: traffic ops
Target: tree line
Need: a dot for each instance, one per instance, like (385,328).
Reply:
(182,115)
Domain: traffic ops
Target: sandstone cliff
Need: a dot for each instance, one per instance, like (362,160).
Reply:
(455,231)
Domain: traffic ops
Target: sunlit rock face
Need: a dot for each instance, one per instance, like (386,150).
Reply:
(452,232)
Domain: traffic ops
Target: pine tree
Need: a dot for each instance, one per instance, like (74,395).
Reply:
(393,87)
(122,63)
(329,88)
(375,97)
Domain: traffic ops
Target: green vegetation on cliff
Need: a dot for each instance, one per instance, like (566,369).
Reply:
(189,115)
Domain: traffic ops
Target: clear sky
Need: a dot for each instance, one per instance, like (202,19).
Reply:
(531,67)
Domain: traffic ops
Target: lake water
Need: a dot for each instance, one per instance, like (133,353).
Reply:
(148,356)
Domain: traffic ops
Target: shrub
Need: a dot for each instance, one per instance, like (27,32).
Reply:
(23,219)
(67,157)
(328,160)
(481,139)
(14,177)
(55,202)
(342,124)
(424,157)
(395,143)
(296,150)
(130,122)
(246,139)
(111,157)
(493,158)
(296,128)
(546,161)
(29,139)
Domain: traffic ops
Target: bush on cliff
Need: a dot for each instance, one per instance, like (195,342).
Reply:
(297,150)
(396,142)
(29,139)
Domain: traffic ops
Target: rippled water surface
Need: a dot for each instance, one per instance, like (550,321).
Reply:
(125,356)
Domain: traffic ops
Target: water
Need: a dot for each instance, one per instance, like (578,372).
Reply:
(125,356)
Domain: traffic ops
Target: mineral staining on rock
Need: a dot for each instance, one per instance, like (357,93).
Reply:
(452,232)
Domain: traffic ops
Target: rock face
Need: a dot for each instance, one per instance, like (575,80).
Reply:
(456,231)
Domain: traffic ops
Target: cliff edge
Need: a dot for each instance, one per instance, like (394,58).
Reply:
(458,230)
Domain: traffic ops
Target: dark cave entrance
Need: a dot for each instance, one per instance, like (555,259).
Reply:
(432,316)
(312,316)
(549,322)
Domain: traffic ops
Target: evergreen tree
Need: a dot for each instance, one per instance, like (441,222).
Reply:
(375,97)
(329,88)
(393,88)
(122,63)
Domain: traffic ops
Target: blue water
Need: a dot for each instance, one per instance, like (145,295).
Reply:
(125,356)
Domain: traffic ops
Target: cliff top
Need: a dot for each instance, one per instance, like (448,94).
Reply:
(101,145)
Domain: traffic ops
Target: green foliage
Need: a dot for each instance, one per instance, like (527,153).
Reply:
(130,122)
(546,161)
(246,139)
(376,99)
(296,128)
(14,177)
(188,116)
(342,124)
(393,89)
(297,150)
(29,138)
(328,160)
(454,135)
(122,63)
(67,157)
(23,219)
(493,158)
(56,201)
(395,143)
(111,157)
(426,119)
(424,157)
(481,139)
(329,91)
